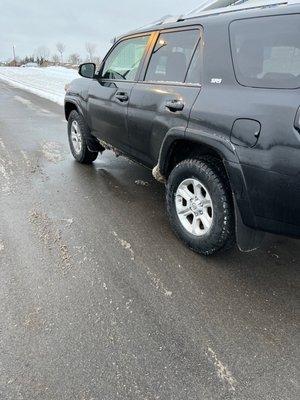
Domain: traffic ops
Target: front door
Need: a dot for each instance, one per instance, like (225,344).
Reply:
(162,101)
(109,93)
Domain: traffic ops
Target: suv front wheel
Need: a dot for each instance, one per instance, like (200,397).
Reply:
(78,132)
(200,206)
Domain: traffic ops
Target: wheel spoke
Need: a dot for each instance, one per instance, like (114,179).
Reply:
(185,212)
(206,220)
(207,203)
(185,193)
(195,225)
(198,190)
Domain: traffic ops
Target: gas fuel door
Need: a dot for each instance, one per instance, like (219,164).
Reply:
(245,132)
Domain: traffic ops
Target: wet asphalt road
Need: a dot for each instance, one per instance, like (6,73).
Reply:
(98,299)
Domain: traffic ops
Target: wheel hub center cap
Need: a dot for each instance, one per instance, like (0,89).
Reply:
(196,206)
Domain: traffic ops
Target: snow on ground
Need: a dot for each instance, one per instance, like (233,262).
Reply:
(45,82)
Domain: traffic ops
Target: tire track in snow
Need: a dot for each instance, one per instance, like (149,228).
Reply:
(32,106)
(155,280)
(53,151)
(50,235)
(2,144)
(16,169)
(6,171)
(5,184)
(222,370)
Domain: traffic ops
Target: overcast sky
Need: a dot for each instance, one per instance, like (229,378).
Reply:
(29,24)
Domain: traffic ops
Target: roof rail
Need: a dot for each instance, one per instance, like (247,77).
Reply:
(214,7)
(206,5)
(164,20)
(236,6)
(220,6)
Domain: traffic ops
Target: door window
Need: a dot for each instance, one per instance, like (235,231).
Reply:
(194,75)
(124,61)
(171,56)
(266,51)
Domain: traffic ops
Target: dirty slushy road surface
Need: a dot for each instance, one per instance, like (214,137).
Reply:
(98,299)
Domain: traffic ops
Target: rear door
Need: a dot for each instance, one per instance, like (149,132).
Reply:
(168,87)
(109,93)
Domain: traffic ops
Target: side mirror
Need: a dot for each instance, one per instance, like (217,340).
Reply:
(87,70)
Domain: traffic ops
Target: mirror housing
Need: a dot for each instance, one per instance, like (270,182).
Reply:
(87,70)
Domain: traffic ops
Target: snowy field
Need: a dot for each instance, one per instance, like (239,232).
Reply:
(45,82)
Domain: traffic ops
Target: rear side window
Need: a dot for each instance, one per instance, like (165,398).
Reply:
(171,56)
(266,51)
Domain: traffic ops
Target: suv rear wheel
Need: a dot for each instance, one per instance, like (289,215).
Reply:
(77,132)
(200,205)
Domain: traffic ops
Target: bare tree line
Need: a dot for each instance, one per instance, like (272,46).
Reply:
(75,58)
(42,55)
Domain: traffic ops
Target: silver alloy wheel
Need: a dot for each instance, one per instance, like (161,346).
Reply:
(194,207)
(76,137)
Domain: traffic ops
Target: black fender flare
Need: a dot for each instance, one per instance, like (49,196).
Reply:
(75,102)
(248,237)
(218,143)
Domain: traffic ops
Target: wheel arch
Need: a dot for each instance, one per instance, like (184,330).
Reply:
(179,146)
(71,105)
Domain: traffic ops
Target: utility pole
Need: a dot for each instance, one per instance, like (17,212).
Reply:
(14,54)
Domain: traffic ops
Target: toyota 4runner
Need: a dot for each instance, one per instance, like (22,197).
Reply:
(211,104)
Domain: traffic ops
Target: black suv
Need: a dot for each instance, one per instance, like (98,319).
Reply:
(211,104)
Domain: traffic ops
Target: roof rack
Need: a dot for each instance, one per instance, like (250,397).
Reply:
(234,6)
(167,19)
(208,7)
(214,7)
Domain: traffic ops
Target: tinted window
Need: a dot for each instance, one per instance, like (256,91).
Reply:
(195,71)
(124,61)
(171,56)
(266,51)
